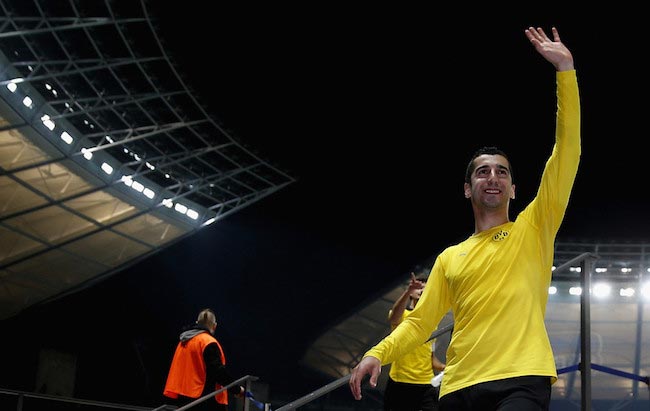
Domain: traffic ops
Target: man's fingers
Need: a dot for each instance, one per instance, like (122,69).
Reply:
(373,379)
(355,385)
(365,367)
(556,35)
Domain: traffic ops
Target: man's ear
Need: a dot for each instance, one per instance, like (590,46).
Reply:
(512,192)
(468,190)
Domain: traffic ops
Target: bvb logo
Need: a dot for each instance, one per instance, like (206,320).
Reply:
(500,236)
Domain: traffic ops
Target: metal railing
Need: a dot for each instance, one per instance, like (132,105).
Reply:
(585,260)
(247,379)
(22,395)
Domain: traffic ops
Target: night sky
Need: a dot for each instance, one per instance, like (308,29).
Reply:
(376,112)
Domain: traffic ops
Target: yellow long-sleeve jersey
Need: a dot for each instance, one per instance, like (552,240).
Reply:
(496,282)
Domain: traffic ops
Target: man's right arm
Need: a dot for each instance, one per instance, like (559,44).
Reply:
(413,331)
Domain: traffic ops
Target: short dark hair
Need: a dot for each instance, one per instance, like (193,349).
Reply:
(490,150)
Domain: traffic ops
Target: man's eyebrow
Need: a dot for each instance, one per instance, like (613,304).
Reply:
(499,166)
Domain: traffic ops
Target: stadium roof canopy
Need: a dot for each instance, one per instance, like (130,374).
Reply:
(106,156)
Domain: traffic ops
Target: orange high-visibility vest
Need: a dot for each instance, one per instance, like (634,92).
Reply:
(187,373)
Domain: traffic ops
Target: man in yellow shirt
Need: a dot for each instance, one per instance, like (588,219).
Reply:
(496,281)
(409,381)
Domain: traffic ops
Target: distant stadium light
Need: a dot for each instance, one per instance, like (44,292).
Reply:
(87,153)
(180,208)
(626,292)
(575,291)
(602,290)
(12,86)
(66,137)
(107,168)
(47,122)
(645,290)
(137,186)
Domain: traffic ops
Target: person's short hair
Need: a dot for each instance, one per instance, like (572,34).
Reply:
(490,150)
(206,318)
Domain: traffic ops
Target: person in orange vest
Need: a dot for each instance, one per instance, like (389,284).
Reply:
(199,367)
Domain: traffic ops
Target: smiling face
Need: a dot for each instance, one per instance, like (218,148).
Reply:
(490,183)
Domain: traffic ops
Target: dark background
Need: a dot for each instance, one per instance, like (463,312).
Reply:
(376,112)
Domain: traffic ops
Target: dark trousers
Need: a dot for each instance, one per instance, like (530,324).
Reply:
(529,393)
(400,396)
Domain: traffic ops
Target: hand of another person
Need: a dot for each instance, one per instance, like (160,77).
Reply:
(242,392)
(415,284)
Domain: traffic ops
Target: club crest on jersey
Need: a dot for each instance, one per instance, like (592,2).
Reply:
(500,236)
